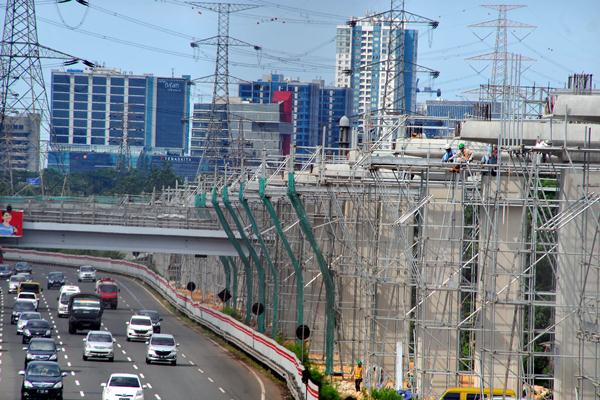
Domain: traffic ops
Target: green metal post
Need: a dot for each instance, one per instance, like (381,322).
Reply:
(233,240)
(267,255)
(260,318)
(325,272)
(288,249)
(227,270)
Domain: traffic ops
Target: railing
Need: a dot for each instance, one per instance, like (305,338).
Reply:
(117,211)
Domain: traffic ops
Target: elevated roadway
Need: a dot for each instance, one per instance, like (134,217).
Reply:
(204,369)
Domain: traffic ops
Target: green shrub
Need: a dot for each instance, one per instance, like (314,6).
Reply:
(328,392)
(232,312)
(385,394)
(300,350)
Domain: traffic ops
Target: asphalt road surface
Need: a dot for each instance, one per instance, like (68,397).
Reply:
(204,370)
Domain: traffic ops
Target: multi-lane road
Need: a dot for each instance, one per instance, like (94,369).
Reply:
(204,369)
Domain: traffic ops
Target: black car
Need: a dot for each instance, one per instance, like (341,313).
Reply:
(42,379)
(6,271)
(154,316)
(23,266)
(56,279)
(41,349)
(19,307)
(36,328)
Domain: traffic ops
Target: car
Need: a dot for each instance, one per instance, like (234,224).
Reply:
(41,349)
(42,379)
(123,386)
(154,316)
(6,271)
(30,286)
(14,282)
(55,279)
(28,296)
(23,266)
(36,328)
(24,317)
(18,308)
(139,327)
(99,344)
(161,348)
(63,299)
(86,273)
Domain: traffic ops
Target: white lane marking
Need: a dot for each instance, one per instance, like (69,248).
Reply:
(200,370)
(72,373)
(142,376)
(211,379)
(118,345)
(129,359)
(262,385)
(157,397)
(149,385)
(58,337)
(66,357)
(192,363)
(61,343)
(81,393)
(183,355)
(221,389)
(76,382)
(135,366)
(69,364)
(123,351)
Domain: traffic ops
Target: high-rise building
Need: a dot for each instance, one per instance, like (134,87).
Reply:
(362,48)
(21,140)
(314,107)
(254,130)
(99,108)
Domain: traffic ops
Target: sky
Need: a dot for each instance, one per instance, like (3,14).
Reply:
(297,39)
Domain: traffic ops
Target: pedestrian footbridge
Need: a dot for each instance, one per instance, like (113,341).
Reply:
(119,224)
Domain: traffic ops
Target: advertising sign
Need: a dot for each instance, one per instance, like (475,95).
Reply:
(12,223)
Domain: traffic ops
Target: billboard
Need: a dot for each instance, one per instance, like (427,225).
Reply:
(171,112)
(12,223)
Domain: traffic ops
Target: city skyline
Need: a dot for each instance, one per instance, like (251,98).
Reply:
(142,39)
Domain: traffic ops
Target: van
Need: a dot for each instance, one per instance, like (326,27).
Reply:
(30,286)
(473,393)
(65,293)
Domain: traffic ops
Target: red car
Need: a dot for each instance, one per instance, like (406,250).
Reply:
(108,290)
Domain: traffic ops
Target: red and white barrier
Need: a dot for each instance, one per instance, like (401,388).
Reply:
(257,345)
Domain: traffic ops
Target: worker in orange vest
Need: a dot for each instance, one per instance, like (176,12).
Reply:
(358,375)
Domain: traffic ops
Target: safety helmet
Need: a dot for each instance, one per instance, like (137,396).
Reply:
(359,363)
(448,147)
(461,146)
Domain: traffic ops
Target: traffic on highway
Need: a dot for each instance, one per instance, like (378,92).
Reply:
(73,334)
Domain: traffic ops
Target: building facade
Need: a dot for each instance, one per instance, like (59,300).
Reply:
(314,107)
(362,49)
(20,138)
(102,107)
(252,131)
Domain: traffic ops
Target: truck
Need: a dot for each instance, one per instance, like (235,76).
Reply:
(108,290)
(85,311)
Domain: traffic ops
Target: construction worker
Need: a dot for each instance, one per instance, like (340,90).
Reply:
(358,375)
(448,154)
(463,155)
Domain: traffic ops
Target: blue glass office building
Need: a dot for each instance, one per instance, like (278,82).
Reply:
(314,106)
(94,110)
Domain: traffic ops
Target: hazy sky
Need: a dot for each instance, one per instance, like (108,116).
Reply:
(153,36)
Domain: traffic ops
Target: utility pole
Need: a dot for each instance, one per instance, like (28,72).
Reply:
(22,90)
(218,139)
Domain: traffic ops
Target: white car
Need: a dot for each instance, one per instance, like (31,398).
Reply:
(139,327)
(123,386)
(99,344)
(14,282)
(162,348)
(28,296)
(86,273)
(63,299)
(24,317)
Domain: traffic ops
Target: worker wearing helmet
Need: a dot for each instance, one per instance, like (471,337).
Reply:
(447,154)
(463,155)
(358,375)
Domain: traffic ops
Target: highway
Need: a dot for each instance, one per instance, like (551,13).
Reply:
(204,370)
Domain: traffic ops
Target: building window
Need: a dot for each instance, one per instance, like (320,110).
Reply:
(137,82)
(99,89)
(81,88)
(117,81)
(81,97)
(99,80)
(80,114)
(60,96)
(137,91)
(117,90)
(57,78)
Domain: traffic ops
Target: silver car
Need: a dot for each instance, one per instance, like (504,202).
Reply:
(162,348)
(86,273)
(24,317)
(99,344)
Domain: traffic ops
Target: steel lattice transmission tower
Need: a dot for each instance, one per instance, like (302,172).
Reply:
(501,57)
(218,137)
(22,90)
